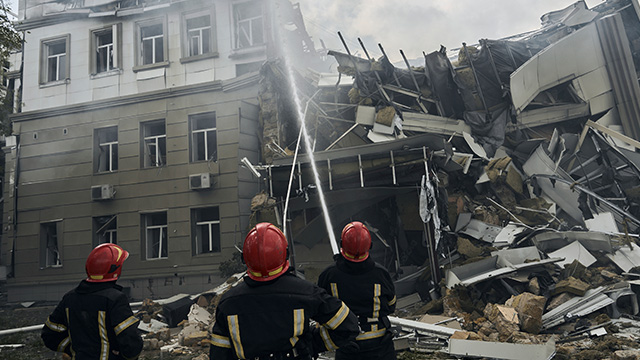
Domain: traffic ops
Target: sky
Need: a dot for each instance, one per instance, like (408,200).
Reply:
(414,26)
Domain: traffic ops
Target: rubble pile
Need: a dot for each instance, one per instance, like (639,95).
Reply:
(181,325)
(525,153)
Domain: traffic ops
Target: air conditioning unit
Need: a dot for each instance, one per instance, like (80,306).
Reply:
(102,192)
(200,181)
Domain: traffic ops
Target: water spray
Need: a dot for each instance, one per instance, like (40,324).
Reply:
(300,114)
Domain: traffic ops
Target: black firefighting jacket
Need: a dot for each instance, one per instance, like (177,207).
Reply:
(94,321)
(257,319)
(366,287)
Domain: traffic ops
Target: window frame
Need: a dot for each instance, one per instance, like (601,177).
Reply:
(107,226)
(163,240)
(193,143)
(44,59)
(116,43)
(97,150)
(235,22)
(195,243)
(144,151)
(213,38)
(44,244)
(138,46)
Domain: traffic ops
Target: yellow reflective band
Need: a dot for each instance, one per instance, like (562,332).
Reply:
(338,318)
(298,325)
(125,324)
(119,253)
(104,340)
(377,290)
(55,327)
(63,344)
(334,289)
(73,353)
(371,334)
(271,273)
(392,301)
(234,331)
(220,341)
(97,277)
(355,257)
(328,343)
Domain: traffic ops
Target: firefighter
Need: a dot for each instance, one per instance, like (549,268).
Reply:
(94,320)
(366,287)
(267,315)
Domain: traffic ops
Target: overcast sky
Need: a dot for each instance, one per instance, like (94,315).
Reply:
(421,25)
(417,25)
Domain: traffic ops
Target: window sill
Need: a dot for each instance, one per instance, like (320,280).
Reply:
(208,254)
(105,172)
(151,66)
(246,52)
(54,83)
(189,59)
(51,267)
(106,74)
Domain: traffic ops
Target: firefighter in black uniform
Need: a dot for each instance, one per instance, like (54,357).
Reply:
(367,289)
(94,320)
(267,315)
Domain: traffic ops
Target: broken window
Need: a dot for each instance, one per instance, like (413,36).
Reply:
(105,230)
(106,149)
(106,48)
(205,230)
(155,235)
(203,137)
(155,144)
(49,244)
(199,34)
(152,42)
(248,24)
(55,66)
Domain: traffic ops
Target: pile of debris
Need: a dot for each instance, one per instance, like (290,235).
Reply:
(525,153)
(182,323)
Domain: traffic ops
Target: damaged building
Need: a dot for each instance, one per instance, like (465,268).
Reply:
(500,180)
(133,117)
(492,175)
(549,100)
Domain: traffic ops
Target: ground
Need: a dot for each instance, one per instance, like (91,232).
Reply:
(16,315)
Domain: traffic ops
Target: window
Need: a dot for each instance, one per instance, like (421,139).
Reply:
(151,42)
(248,24)
(155,235)
(200,38)
(205,233)
(105,230)
(55,63)
(50,244)
(106,145)
(154,143)
(203,137)
(106,49)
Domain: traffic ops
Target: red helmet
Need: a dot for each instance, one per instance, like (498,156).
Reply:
(356,242)
(265,252)
(105,263)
